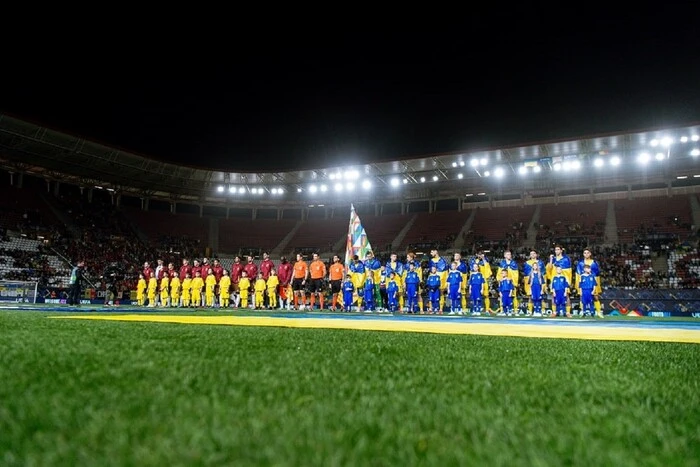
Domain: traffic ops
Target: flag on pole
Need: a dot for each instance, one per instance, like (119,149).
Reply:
(357,243)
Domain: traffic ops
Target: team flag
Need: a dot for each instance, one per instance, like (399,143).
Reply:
(357,243)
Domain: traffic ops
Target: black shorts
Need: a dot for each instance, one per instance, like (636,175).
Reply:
(296,284)
(316,285)
(335,286)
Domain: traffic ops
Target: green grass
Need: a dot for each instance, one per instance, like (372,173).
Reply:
(112,393)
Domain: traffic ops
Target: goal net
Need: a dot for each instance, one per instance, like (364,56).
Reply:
(18,291)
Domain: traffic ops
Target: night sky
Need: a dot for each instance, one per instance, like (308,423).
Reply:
(292,103)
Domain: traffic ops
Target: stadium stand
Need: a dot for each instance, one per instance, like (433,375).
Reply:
(156,223)
(438,229)
(236,235)
(584,222)
(318,235)
(684,269)
(640,219)
(25,259)
(382,230)
(500,225)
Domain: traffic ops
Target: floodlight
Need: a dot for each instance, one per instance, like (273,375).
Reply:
(332,176)
(660,156)
(454,164)
(324,188)
(644,158)
(654,143)
(241,190)
(367,184)
(522,170)
(312,189)
(695,152)
(695,138)
(220,189)
(498,172)
(435,178)
(460,176)
(487,173)
(667,141)
(394,182)
(299,190)
(461,163)
(474,162)
(537,169)
(350,186)
(557,166)
(684,139)
(566,165)
(599,162)
(273,191)
(422,179)
(484,161)
(232,189)
(615,161)
(338,187)
(576,165)
(405,181)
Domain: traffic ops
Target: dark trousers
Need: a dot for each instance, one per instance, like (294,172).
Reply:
(74,294)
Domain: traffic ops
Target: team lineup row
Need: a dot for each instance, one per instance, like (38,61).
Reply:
(413,286)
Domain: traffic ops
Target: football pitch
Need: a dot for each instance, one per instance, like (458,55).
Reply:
(200,388)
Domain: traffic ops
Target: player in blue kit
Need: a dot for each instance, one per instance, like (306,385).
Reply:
(560,290)
(348,291)
(411,259)
(527,272)
(485,268)
(476,286)
(392,292)
(463,268)
(560,260)
(373,268)
(595,272)
(454,281)
(396,267)
(433,284)
(509,265)
(536,284)
(506,289)
(412,281)
(441,268)
(586,284)
(369,293)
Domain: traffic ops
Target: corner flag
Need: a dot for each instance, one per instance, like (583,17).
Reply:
(357,243)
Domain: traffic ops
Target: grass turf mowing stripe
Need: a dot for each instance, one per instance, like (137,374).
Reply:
(588,332)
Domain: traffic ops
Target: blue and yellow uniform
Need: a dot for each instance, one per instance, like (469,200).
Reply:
(434,285)
(560,260)
(374,268)
(411,260)
(476,286)
(398,268)
(358,274)
(439,263)
(369,293)
(560,290)
(527,271)
(463,269)
(392,292)
(595,272)
(412,280)
(587,283)
(454,279)
(485,269)
(510,266)
(506,287)
(535,291)
(348,291)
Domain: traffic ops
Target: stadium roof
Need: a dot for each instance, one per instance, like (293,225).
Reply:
(596,162)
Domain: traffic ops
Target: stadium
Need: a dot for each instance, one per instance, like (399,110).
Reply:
(112,379)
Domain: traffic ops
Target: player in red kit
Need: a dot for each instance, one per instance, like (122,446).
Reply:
(284,275)
(147,271)
(236,270)
(184,269)
(251,269)
(218,270)
(265,267)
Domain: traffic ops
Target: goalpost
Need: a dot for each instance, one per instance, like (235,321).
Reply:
(19,291)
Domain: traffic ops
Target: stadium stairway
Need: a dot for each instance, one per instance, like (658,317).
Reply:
(611,237)
(277,251)
(60,215)
(402,233)
(532,229)
(459,241)
(695,210)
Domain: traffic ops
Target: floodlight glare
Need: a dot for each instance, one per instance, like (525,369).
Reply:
(405,181)
(615,161)
(666,142)
(498,172)
(394,182)
(454,164)
(241,190)
(435,178)
(332,176)
(537,169)
(484,161)
(487,173)
(557,166)
(350,186)
(338,187)
(460,176)
(522,170)
(220,189)
(695,138)
(260,191)
(576,165)
(313,189)
(695,152)
(351,174)
(566,165)
(299,190)
(644,158)
(367,184)
(461,163)
(422,179)
(660,156)
(598,162)
(324,188)
(654,143)
(273,191)
(232,189)
(684,139)
(474,162)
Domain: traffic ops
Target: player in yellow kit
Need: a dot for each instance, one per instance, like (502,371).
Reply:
(272,283)
(164,290)
(224,289)
(141,291)
(244,289)
(152,289)
(186,290)
(196,292)
(174,289)
(210,286)
(259,287)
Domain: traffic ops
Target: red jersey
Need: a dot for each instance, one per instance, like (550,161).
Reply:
(218,272)
(184,270)
(236,270)
(205,270)
(195,269)
(284,273)
(252,270)
(147,273)
(159,272)
(265,267)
